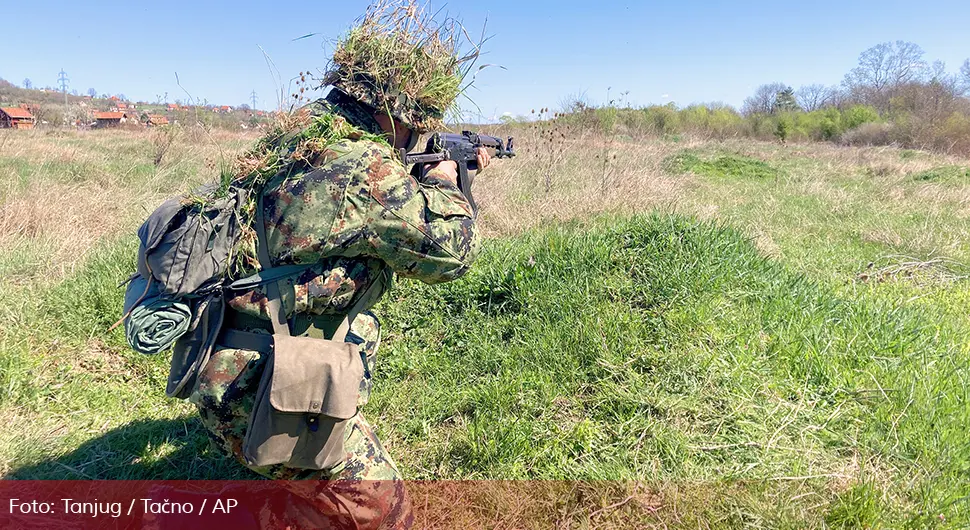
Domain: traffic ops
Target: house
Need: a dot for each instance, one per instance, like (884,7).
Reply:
(172,106)
(16,118)
(112,119)
(154,120)
(223,109)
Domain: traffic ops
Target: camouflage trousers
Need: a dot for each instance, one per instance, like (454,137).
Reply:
(225,397)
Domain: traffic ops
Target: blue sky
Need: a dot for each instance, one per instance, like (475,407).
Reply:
(686,52)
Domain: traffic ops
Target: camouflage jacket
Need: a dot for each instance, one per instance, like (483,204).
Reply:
(356,209)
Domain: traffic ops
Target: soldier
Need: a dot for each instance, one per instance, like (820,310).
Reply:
(341,197)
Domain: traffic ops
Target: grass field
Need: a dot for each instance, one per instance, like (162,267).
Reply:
(747,334)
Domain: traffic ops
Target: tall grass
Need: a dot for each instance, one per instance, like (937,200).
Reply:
(658,349)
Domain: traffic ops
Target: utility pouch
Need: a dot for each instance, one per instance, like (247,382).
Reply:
(307,394)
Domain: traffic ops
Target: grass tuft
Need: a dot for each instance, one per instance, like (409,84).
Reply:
(724,166)
(944,174)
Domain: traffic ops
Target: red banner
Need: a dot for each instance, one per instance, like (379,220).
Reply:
(242,505)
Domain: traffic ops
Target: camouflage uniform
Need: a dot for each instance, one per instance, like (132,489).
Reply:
(356,211)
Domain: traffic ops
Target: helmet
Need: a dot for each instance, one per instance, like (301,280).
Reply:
(403,108)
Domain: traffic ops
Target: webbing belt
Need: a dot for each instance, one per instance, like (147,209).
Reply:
(244,340)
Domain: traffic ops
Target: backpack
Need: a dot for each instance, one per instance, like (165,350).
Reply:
(186,244)
(182,275)
(183,256)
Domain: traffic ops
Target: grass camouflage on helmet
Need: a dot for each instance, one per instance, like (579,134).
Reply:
(400,60)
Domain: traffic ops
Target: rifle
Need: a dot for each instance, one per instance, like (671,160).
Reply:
(463,149)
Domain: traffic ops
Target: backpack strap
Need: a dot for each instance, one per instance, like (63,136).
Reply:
(265,276)
(276,314)
(369,295)
(270,276)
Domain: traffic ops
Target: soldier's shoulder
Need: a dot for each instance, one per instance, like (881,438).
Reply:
(374,165)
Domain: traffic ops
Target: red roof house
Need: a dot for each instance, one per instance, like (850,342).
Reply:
(111,119)
(16,118)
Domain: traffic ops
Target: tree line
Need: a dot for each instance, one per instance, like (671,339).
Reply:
(893,96)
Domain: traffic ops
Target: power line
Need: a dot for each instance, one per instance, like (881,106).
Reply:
(62,79)
(254,99)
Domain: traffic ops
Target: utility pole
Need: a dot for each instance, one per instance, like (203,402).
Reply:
(62,79)
(254,99)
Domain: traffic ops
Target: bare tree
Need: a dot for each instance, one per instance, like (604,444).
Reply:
(884,68)
(575,102)
(763,100)
(965,77)
(28,84)
(815,96)
(937,72)
(92,92)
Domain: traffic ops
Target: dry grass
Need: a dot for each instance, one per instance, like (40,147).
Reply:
(63,193)
(513,196)
(604,505)
(566,171)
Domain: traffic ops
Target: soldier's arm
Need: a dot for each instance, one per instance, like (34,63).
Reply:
(424,231)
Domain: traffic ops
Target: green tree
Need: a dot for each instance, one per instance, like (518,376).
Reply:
(785,101)
(783,129)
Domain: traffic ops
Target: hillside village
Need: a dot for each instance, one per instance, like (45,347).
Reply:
(27,108)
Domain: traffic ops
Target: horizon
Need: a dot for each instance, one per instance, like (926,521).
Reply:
(540,50)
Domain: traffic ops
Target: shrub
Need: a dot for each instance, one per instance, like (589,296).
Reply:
(725,122)
(869,134)
(760,126)
(857,115)
(956,133)
(830,125)
(663,119)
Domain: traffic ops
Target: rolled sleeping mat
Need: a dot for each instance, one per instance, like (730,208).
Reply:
(153,323)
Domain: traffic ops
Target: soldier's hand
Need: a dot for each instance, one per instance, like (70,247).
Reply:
(448,167)
(483,159)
